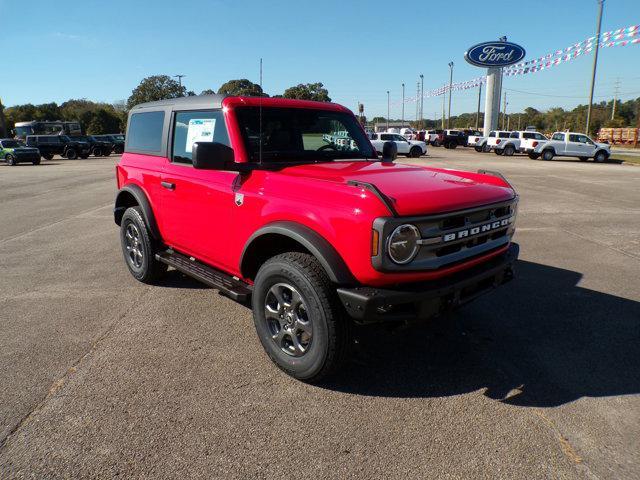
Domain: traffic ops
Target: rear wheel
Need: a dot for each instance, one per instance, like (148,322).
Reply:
(139,248)
(486,148)
(534,156)
(10,159)
(298,317)
(509,150)
(71,154)
(453,145)
(601,157)
(97,152)
(547,155)
(497,151)
(477,148)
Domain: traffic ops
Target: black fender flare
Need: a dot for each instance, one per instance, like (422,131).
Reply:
(143,202)
(319,247)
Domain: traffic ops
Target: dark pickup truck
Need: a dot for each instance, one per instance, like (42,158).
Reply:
(117,139)
(99,147)
(50,145)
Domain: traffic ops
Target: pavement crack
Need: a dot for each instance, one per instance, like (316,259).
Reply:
(58,384)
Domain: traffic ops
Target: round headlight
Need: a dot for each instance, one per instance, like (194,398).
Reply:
(403,243)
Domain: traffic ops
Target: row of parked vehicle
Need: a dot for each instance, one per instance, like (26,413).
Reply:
(536,145)
(36,147)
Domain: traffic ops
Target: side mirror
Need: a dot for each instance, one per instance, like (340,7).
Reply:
(389,151)
(211,156)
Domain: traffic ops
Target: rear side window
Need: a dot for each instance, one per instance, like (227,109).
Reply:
(514,135)
(503,135)
(574,138)
(197,126)
(492,134)
(558,136)
(145,132)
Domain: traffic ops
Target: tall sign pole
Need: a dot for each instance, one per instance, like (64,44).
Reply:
(450,84)
(421,100)
(595,65)
(403,104)
(478,112)
(388,109)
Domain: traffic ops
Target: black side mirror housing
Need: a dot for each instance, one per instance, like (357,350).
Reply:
(212,156)
(389,151)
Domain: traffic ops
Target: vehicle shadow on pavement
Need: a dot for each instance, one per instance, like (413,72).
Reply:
(176,279)
(541,340)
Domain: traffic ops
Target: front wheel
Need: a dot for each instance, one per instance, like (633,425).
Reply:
(509,150)
(71,154)
(11,160)
(415,152)
(601,157)
(97,152)
(497,151)
(47,156)
(477,148)
(36,161)
(534,156)
(298,317)
(138,247)
(486,148)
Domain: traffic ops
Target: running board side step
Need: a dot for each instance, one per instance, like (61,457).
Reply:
(225,284)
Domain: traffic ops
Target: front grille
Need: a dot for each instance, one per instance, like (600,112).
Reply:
(454,237)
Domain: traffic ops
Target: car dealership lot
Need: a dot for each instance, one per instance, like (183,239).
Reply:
(103,376)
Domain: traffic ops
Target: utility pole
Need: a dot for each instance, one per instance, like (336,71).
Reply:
(504,111)
(403,103)
(417,103)
(388,109)
(595,65)
(450,84)
(615,98)
(444,96)
(179,77)
(421,100)
(478,112)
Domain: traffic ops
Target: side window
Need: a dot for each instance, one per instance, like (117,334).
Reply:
(558,136)
(514,135)
(145,132)
(574,138)
(196,126)
(374,136)
(492,134)
(528,135)
(386,136)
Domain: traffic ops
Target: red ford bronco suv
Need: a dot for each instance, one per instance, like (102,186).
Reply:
(284,205)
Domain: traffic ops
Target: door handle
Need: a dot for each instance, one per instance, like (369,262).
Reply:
(168,185)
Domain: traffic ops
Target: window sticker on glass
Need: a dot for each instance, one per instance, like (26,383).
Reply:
(200,130)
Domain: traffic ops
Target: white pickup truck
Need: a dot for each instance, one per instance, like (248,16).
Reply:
(478,142)
(519,141)
(410,148)
(497,139)
(571,144)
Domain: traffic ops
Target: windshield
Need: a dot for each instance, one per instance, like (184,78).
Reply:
(302,135)
(11,144)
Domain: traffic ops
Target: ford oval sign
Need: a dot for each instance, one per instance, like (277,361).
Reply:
(494,54)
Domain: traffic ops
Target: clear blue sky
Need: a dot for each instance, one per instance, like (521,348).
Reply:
(100,50)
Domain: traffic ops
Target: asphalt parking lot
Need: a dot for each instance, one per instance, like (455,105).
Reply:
(103,376)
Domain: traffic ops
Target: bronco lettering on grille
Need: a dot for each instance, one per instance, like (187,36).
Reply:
(487,227)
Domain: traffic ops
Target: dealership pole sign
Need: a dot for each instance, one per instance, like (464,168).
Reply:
(494,56)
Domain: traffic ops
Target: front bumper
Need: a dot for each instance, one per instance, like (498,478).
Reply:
(428,299)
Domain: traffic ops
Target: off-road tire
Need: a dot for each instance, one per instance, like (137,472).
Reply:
(150,270)
(486,148)
(534,156)
(11,160)
(71,154)
(97,152)
(509,150)
(84,156)
(36,162)
(497,151)
(415,152)
(332,329)
(547,155)
(47,156)
(478,149)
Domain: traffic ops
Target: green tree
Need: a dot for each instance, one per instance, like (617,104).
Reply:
(308,91)
(208,91)
(156,87)
(104,121)
(241,87)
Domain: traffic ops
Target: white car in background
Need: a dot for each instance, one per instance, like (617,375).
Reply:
(572,144)
(518,141)
(410,148)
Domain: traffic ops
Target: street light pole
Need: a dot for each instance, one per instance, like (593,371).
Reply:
(421,100)
(595,65)
(450,83)
(403,103)
(478,112)
(388,109)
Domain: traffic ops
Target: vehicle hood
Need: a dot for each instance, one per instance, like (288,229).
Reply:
(418,142)
(603,145)
(413,190)
(23,149)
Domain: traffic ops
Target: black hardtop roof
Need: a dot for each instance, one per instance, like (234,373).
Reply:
(193,102)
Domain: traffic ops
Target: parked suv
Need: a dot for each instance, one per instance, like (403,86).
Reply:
(13,152)
(248,196)
(116,139)
(50,145)
(98,147)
